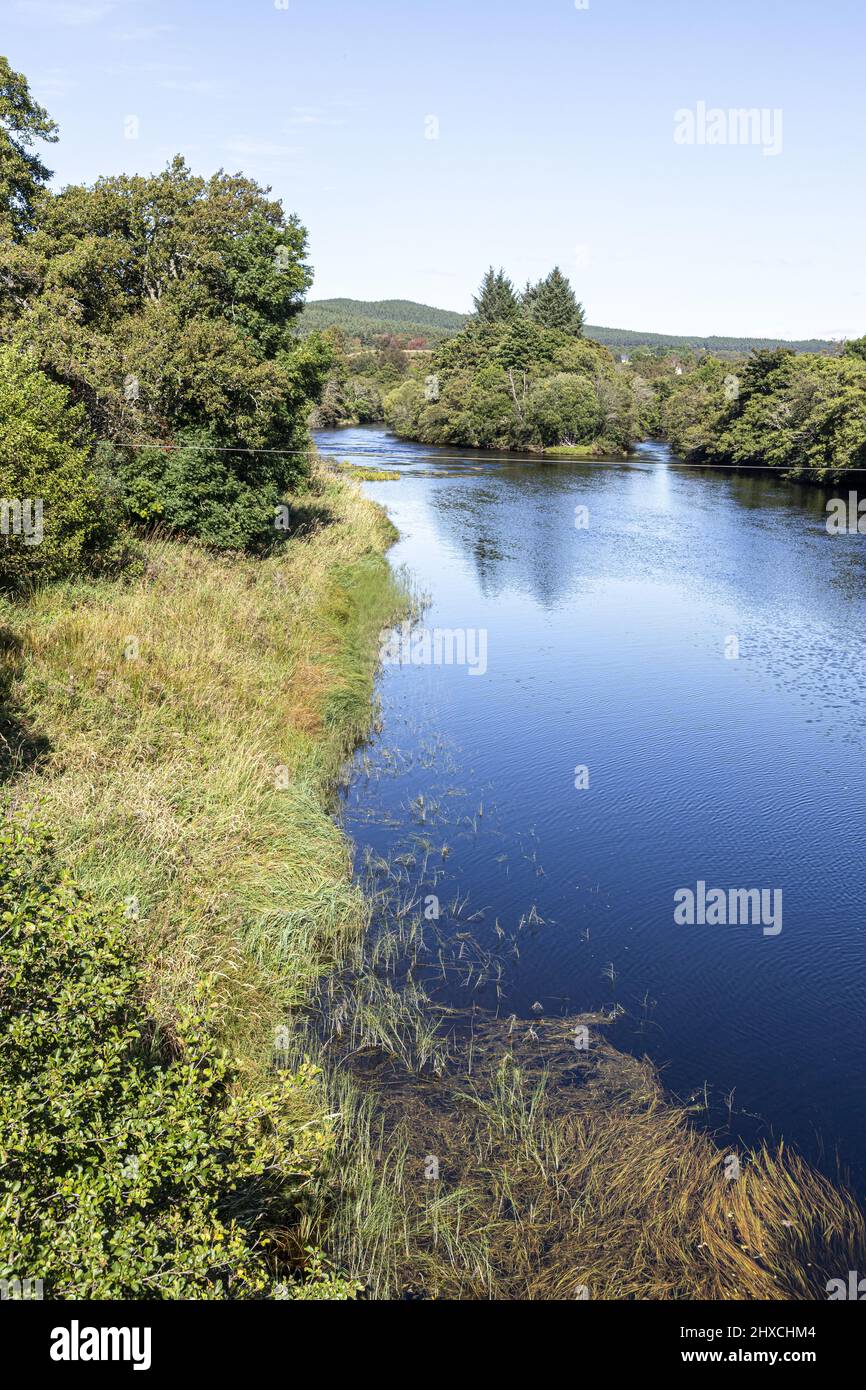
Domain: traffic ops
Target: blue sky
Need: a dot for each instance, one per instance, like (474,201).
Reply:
(555,141)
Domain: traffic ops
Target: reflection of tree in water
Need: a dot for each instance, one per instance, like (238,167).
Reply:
(515,528)
(488,562)
(518,527)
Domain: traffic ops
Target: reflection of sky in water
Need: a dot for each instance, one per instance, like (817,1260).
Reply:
(606,648)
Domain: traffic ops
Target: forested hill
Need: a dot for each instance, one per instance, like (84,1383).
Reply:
(626,339)
(369,320)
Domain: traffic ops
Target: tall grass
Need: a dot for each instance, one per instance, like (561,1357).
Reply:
(196,721)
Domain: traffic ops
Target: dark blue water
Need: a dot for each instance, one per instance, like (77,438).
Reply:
(606,649)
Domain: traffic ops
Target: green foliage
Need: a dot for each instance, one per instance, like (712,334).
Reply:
(565,409)
(167,304)
(856,347)
(228,499)
(223,494)
(354,399)
(496,299)
(805,415)
(403,408)
(514,384)
(553,304)
(126,1172)
(56,512)
(518,376)
(687,405)
(365,474)
(22,173)
(358,381)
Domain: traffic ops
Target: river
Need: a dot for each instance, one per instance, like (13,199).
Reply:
(671,693)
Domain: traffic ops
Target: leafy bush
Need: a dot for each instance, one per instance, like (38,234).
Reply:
(124,1172)
(402,408)
(805,415)
(516,384)
(564,409)
(57,515)
(225,498)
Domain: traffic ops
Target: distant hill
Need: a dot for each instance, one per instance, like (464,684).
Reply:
(369,320)
(626,339)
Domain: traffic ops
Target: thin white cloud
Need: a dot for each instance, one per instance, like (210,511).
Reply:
(52,86)
(309,118)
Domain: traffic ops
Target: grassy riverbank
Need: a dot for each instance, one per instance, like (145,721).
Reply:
(179,735)
(190,728)
(582,451)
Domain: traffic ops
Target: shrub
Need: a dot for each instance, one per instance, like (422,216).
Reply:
(403,407)
(564,409)
(124,1172)
(223,497)
(56,512)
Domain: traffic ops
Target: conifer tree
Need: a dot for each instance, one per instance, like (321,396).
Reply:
(552,303)
(496,300)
